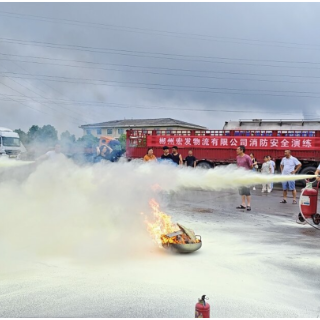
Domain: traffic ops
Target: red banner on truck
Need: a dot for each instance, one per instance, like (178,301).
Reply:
(294,143)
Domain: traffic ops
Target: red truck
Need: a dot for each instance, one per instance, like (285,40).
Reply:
(218,147)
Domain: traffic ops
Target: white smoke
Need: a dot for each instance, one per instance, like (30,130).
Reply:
(59,209)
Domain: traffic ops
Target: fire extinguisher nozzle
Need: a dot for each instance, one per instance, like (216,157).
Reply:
(202,308)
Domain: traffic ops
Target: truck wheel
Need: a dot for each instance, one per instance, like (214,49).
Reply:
(204,165)
(308,170)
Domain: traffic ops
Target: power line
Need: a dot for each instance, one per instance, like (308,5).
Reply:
(42,97)
(130,106)
(164,73)
(206,57)
(114,104)
(141,84)
(74,111)
(140,54)
(194,36)
(50,107)
(126,65)
(41,111)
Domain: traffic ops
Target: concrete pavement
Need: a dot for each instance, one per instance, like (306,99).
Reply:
(252,264)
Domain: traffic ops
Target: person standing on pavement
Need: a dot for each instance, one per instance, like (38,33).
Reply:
(149,156)
(273,167)
(55,154)
(244,161)
(266,169)
(190,160)
(289,165)
(166,155)
(176,157)
(255,165)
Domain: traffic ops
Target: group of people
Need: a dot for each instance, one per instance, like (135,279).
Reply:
(289,165)
(268,167)
(174,157)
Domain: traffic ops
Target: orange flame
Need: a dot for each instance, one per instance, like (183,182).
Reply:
(162,226)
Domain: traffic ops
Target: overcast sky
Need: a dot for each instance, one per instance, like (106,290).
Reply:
(78,63)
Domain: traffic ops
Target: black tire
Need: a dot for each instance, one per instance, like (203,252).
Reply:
(300,217)
(204,165)
(308,170)
(316,218)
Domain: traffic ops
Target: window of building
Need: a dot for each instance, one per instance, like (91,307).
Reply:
(120,131)
(98,131)
(88,131)
(168,131)
(109,131)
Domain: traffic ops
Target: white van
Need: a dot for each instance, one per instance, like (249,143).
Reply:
(9,143)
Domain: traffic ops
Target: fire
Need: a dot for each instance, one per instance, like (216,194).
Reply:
(162,224)
(179,239)
(163,230)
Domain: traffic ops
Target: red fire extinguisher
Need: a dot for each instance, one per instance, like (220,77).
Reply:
(203,308)
(308,203)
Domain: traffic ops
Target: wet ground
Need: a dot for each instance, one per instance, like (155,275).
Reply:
(252,264)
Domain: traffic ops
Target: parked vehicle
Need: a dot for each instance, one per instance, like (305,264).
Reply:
(10,143)
(217,147)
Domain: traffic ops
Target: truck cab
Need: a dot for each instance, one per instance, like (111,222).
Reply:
(10,144)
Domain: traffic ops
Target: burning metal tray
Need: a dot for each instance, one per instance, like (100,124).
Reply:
(184,247)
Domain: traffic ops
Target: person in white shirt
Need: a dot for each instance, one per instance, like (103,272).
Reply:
(289,165)
(53,154)
(273,167)
(255,165)
(266,169)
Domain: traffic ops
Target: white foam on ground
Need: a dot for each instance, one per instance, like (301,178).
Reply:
(73,243)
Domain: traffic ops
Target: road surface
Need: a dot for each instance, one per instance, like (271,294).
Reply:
(252,264)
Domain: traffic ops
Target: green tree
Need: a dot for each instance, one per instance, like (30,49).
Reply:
(67,141)
(88,141)
(45,135)
(33,133)
(23,136)
(48,134)
(122,140)
(67,137)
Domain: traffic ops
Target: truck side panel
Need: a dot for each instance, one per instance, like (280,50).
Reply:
(206,145)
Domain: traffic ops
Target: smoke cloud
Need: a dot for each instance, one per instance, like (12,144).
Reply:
(93,213)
